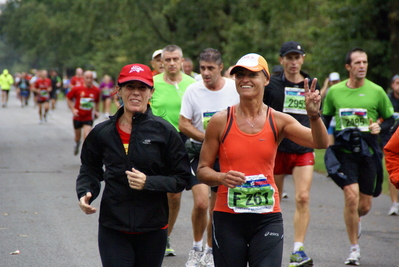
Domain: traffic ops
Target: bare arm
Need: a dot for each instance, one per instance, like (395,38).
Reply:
(188,129)
(209,151)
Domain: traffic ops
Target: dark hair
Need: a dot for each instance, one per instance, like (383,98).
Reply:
(123,84)
(348,58)
(211,55)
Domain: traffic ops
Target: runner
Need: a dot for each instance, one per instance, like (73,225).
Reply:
(42,88)
(356,104)
(166,102)
(200,101)
(84,104)
(285,93)
(248,225)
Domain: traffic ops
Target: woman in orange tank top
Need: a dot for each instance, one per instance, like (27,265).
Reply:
(248,226)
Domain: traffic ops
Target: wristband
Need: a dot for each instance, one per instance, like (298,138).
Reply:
(315,117)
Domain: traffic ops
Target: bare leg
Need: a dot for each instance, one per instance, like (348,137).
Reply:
(302,176)
(174,208)
(209,227)
(279,180)
(199,215)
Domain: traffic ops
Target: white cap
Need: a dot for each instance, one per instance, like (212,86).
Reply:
(156,53)
(334,76)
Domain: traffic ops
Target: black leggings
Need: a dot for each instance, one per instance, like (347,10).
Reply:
(118,249)
(239,239)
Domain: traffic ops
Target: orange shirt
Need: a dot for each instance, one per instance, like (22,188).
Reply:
(254,155)
(391,151)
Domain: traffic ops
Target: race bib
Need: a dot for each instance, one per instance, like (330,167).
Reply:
(206,116)
(396,115)
(44,94)
(256,195)
(86,103)
(294,100)
(354,118)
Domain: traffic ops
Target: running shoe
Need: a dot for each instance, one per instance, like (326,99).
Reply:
(194,258)
(299,258)
(284,195)
(207,259)
(394,210)
(354,258)
(169,251)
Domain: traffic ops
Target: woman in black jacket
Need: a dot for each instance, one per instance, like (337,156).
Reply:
(140,157)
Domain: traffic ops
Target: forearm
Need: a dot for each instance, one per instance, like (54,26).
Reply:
(319,133)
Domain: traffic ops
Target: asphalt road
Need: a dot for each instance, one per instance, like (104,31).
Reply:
(40,217)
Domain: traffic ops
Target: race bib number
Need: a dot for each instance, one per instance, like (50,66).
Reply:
(206,116)
(86,103)
(44,94)
(256,195)
(396,115)
(106,92)
(354,118)
(294,100)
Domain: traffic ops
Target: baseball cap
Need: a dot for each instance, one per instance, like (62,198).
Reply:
(156,53)
(334,76)
(252,62)
(291,46)
(136,72)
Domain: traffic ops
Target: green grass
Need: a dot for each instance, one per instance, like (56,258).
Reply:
(321,168)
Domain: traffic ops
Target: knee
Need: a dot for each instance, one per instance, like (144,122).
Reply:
(364,208)
(302,199)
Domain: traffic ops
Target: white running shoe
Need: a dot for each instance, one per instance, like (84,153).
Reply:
(354,258)
(207,259)
(394,210)
(194,258)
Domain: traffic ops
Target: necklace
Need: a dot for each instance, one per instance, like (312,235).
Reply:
(257,117)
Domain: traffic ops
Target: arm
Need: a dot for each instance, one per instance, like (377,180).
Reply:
(71,105)
(323,90)
(209,151)
(91,173)
(391,151)
(316,136)
(188,129)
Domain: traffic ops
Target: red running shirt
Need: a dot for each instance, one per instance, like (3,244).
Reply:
(85,100)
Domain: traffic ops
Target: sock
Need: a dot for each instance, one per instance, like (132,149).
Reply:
(198,244)
(208,248)
(297,245)
(355,248)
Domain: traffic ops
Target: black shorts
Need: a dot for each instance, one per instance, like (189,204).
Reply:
(194,160)
(79,124)
(358,169)
(247,237)
(6,91)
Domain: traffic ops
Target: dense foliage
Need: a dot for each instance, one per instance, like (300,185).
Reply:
(106,34)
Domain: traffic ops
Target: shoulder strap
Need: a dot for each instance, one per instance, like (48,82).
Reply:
(271,122)
(230,119)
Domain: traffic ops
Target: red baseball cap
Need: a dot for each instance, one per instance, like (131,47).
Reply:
(136,72)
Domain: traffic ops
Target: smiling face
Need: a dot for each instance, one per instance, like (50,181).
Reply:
(135,96)
(250,83)
(358,67)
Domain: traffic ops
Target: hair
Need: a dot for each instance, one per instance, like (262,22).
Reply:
(348,58)
(211,55)
(172,48)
